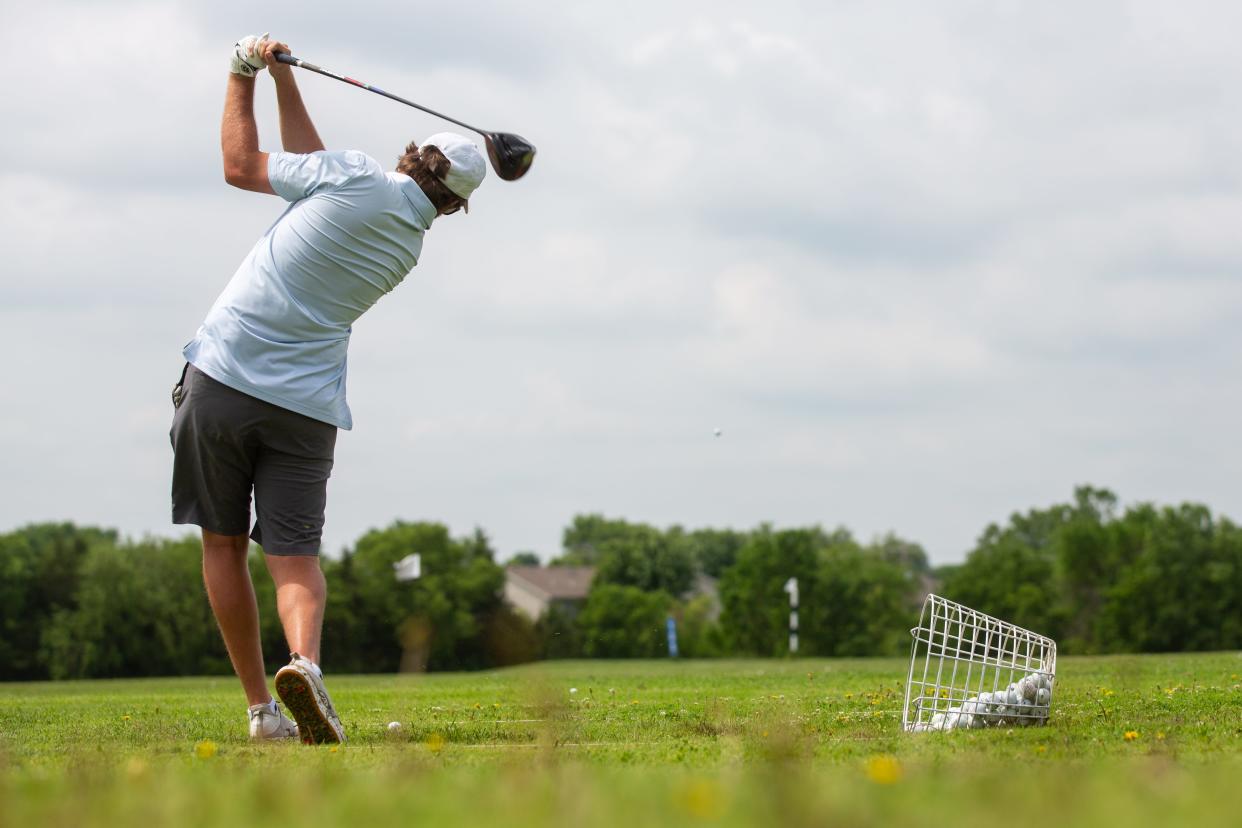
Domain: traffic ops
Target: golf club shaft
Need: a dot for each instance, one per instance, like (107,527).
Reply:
(293,61)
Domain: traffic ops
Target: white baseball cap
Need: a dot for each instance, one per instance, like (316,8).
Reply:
(467,166)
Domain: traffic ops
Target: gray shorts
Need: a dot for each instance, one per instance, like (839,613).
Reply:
(226,443)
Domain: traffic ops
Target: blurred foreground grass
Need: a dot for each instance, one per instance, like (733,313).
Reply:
(1144,740)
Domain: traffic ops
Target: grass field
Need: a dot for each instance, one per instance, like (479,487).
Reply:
(1143,740)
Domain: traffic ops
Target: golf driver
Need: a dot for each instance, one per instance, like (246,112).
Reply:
(511,155)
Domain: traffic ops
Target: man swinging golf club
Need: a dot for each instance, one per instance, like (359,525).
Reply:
(263,391)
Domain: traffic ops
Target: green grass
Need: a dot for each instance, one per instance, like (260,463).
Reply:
(638,743)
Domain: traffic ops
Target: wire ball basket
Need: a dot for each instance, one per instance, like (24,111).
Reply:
(970,670)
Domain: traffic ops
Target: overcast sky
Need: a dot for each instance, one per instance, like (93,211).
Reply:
(924,264)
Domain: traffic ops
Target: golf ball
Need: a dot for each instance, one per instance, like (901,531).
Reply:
(1043,697)
(717,432)
(394,726)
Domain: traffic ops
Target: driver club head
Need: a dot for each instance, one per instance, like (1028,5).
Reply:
(511,155)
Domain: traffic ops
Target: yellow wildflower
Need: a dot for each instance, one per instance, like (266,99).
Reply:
(884,770)
(702,799)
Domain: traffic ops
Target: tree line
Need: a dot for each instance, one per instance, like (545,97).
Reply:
(79,602)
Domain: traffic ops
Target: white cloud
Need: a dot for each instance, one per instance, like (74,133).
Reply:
(925,265)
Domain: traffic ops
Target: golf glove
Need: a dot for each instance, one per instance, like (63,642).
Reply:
(247,59)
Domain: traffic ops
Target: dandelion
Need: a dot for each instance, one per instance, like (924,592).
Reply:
(883,770)
(126,718)
(1131,735)
(205,749)
(333,749)
(1160,736)
(1041,749)
(435,743)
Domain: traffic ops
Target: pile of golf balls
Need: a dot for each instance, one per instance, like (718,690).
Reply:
(1023,702)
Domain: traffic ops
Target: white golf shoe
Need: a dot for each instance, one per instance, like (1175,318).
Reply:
(300,686)
(268,721)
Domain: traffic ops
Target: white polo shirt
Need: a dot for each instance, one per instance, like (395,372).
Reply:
(280,330)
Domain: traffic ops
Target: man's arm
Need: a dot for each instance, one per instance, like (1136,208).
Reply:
(297,132)
(244,166)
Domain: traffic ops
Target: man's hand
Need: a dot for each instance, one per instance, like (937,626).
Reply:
(268,50)
(247,58)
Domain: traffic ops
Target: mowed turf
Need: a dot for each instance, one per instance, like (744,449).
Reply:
(1136,740)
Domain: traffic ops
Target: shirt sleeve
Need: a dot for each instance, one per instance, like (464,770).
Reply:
(296,176)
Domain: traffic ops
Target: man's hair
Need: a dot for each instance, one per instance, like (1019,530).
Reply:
(428,166)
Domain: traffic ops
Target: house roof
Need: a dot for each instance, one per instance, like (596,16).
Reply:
(554,582)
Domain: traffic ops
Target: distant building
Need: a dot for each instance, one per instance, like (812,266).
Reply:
(534,589)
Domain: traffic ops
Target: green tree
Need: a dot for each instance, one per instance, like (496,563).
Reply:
(1009,579)
(40,570)
(1091,548)
(645,558)
(866,604)
(1183,590)
(624,622)
(698,633)
(1046,569)
(140,610)
(755,617)
(713,550)
(583,539)
(439,621)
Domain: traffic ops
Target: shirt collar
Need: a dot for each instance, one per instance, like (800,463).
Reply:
(419,202)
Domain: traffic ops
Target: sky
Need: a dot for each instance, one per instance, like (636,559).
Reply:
(923,265)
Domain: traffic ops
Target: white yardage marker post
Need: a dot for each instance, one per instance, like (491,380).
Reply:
(791,586)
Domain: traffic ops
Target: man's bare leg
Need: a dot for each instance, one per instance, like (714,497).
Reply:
(300,595)
(232,600)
